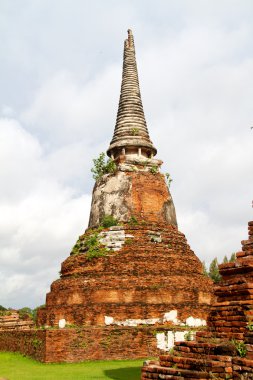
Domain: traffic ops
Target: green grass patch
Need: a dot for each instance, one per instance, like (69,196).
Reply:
(14,366)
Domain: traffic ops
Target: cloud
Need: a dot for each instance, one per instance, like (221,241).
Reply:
(200,123)
(40,218)
(65,111)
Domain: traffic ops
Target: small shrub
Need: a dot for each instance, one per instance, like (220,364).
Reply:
(240,347)
(76,249)
(101,166)
(36,343)
(93,247)
(188,335)
(250,325)
(25,313)
(154,169)
(133,220)
(134,131)
(168,179)
(109,221)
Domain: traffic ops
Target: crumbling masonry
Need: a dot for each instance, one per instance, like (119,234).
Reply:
(225,350)
(131,289)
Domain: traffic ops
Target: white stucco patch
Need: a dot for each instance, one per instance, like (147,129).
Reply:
(62,323)
(180,336)
(166,340)
(136,322)
(114,238)
(161,341)
(195,322)
(109,320)
(171,316)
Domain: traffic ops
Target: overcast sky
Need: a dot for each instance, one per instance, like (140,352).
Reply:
(60,74)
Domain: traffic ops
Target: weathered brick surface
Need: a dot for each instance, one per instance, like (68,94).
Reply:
(213,355)
(28,342)
(144,279)
(83,343)
(12,321)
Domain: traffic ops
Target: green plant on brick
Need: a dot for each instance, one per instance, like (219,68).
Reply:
(249,325)
(101,166)
(36,343)
(133,220)
(240,347)
(153,169)
(109,221)
(188,335)
(135,131)
(94,248)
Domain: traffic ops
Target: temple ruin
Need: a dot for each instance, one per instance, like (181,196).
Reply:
(143,272)
(134,288)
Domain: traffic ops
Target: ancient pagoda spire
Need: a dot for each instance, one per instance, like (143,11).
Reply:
(131,133)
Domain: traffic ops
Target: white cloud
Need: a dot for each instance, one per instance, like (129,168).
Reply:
(65,111)
(40,217)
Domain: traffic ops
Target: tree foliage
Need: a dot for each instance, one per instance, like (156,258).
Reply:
(101,166)
(213,271)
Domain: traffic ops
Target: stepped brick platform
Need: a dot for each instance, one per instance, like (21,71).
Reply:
(216,353)
(152,273)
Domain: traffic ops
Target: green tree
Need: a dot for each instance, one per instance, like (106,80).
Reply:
(232,258)
(225,259)
(34,311)
(214,271)
(2,308)
(25,312)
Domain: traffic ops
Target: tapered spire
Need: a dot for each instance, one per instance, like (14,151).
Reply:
(130,133)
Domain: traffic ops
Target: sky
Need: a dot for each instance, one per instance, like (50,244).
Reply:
(60,75)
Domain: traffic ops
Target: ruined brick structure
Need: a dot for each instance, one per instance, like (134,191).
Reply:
(11,320)
(225,350)
(146,268)
(137,279)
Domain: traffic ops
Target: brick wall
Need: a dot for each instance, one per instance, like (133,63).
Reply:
(78,344)
(28,342)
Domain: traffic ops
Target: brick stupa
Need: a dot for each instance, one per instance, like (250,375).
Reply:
(140,272)
(225,350)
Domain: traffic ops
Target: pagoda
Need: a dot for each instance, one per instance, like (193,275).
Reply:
(132,268)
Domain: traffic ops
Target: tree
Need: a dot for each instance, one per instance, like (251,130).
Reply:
(225,259)
(232,258)
(214,271)
(25,313)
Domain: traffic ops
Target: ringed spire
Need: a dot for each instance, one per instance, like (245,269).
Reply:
(131,133)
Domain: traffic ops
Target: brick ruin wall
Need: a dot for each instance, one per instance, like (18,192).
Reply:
(79,344)
(225,350)
(27,342)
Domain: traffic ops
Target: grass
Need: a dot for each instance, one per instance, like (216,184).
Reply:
(14,366)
